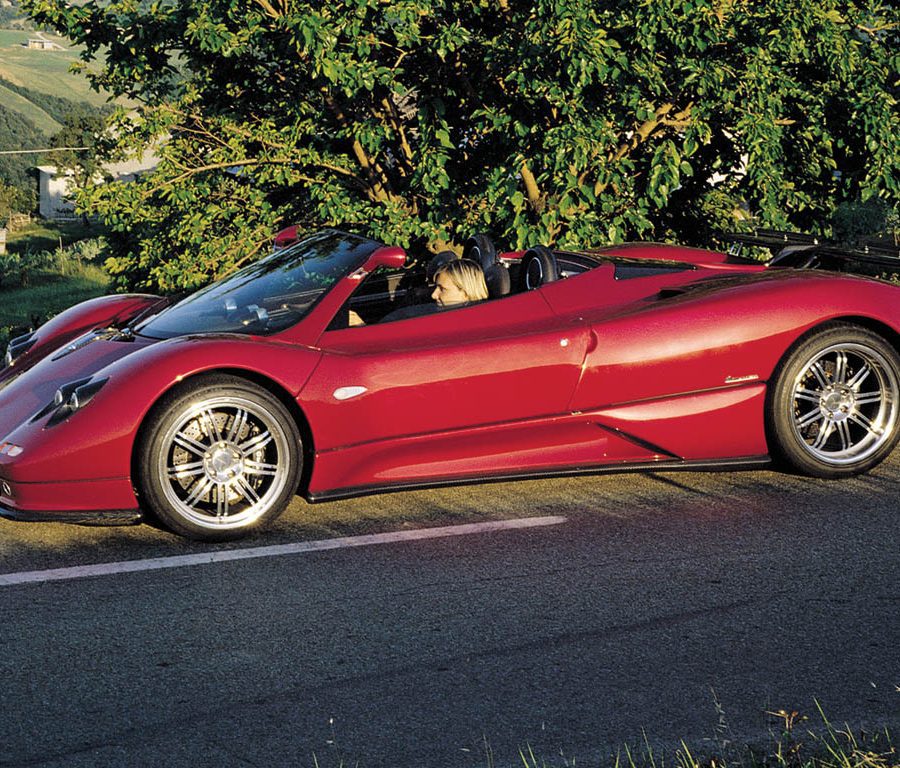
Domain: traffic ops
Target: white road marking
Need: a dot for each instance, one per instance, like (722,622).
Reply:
(301,547)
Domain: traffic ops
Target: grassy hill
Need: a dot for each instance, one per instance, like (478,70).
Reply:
(38,93)
(42,71)
(38,117)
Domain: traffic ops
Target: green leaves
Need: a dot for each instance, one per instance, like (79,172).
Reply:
(420,121)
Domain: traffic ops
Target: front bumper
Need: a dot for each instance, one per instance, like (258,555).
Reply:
(97,502)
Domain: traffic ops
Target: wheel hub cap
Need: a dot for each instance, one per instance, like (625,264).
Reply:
(837,402)
(223,463)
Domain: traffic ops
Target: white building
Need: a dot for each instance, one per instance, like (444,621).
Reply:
(56,188)
(42,44)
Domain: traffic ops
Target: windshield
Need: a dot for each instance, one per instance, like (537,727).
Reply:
(270,295)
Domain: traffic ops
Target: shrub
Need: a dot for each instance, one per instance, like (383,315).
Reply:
(10,264)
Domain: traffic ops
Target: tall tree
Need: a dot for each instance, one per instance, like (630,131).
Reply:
(421,121)
(12,200)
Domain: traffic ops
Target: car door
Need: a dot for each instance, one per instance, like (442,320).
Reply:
(459,374)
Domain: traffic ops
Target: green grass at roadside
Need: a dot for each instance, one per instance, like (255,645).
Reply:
(51,295)
(791,745)
(53,267)
(46,236)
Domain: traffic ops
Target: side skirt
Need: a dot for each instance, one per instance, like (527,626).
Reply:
(701,465)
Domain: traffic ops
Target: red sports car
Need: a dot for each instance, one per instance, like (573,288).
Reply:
(212,412)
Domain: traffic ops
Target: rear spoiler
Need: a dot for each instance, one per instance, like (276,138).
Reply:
(804,251)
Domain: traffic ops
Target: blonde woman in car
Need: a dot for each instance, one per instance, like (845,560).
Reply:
(459,282)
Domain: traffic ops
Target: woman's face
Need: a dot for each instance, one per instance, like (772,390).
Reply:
(447,293)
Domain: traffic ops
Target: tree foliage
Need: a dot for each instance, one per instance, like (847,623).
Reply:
(17,132)
(422,121)
(82,144)
(12,200)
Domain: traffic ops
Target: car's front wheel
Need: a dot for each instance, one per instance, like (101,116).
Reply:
(833,410)
(218,458)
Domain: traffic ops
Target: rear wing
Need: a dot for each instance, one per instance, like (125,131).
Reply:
(804,251)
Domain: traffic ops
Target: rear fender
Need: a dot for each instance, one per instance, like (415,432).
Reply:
(672,368)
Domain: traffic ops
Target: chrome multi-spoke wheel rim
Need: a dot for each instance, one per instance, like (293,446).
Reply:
(845,402)
(223,462)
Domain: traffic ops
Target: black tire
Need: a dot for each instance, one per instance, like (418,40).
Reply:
(218,458)
(834,408)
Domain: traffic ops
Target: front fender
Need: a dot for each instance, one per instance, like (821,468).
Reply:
(97,441)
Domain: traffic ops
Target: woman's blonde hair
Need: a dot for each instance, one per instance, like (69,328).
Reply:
(467,276)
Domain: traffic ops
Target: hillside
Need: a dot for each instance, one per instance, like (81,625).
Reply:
(20,106)
(38,93)
(43,72)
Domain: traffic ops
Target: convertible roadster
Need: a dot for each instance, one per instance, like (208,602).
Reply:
(212,412)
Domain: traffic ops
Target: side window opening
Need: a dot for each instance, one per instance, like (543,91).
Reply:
(380,293)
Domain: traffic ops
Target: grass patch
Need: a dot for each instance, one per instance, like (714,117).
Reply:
(47,236)
(48,268)
(828,747)
(51,294)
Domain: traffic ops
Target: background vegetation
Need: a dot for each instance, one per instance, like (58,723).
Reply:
(421,121)
(48,268)
(42,104)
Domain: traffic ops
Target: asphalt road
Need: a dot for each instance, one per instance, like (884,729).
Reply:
(666,607)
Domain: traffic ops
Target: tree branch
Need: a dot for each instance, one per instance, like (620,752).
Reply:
(217,167)
(397,125)
(643,132)
(649,127)
(378,191)
(535,200)
(876,29)
(271,10)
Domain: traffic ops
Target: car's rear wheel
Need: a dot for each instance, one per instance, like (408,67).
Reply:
(219,458)
(833,410)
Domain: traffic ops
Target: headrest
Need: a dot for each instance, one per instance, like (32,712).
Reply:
(438,261)
(538,268)
(481,250)
(498,280)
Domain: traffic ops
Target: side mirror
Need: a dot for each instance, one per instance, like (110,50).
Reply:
(284,238)
(389,256)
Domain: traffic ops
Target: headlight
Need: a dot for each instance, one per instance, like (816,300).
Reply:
(69,398)
(82,395)
(62,395)
(19,346)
